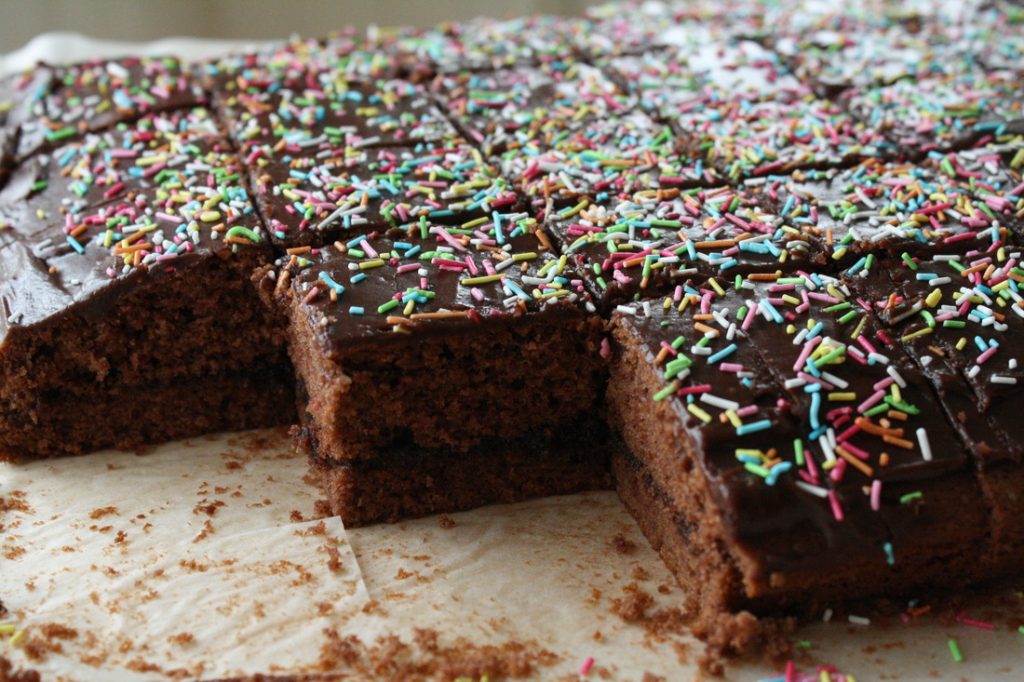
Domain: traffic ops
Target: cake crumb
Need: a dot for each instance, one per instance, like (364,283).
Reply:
(633,605)
(102,511)
(445,522)
(427,658)
(205,532)
(623,545)
(182,639)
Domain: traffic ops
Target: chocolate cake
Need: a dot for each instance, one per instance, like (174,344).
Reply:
(755,264)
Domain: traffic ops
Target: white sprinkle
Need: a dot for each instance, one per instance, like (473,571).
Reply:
(817,491)
(926,448)
(896,376)
(859,620)
(827,616)
(834,380)
(826,448)
(999,379)
(720,403)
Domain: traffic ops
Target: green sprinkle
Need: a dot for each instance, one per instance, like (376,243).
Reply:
(910,497)
(848,316)
(383,308)
(667,391)
(954,650)
(238,230)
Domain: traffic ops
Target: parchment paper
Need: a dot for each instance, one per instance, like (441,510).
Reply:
(205,559)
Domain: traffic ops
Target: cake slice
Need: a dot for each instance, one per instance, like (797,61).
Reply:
(66,102)
(959,317)
(320,106)
(783,458)
(881,208)
(440,354)
(128,315)
(651,242)
(942,113)
(312,197)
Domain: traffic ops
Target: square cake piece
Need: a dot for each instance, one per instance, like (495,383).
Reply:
(128,315)
(880,208)
(654,241)
(484,323)
(782,456)
(314,196)
(959,316)
(66,102)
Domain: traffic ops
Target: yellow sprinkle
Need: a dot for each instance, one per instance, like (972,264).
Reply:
(475,222)
(699,413)
(913,335)
(17,638)
(935,297)
(7,628)
(369,264)
(575,209)
(524,256)
(716,286)
(792,300)
(961,343)
(734,418)
(839,396)
(209,216)
(485,279)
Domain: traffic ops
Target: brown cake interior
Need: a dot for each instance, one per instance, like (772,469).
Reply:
(114,371)
(516,379)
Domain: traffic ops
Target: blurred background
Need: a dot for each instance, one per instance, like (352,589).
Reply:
(143,20)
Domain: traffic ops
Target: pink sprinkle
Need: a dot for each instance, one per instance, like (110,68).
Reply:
(749,319)
(838,471)
(585,668)
(747,411)
(873,400)
(368,249)
(805,352)
(730,367)
(962,617)
(699,388)
(837,510)
(876,495)
(606,347)
(113,191)
(986,355)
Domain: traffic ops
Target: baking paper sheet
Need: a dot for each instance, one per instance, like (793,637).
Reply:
(205,559)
